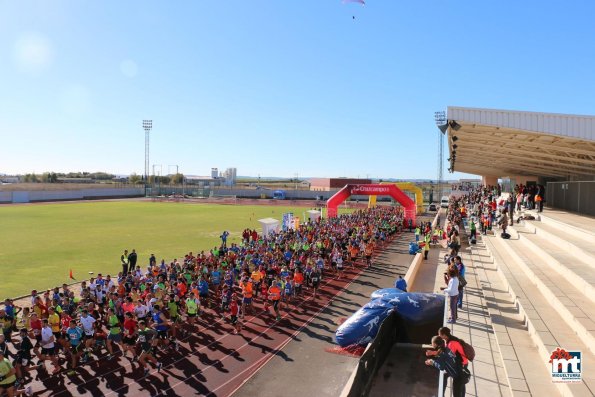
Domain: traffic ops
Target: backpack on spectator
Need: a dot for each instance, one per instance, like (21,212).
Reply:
(468,349)
(462,281)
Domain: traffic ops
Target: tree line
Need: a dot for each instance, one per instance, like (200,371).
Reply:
(55,177)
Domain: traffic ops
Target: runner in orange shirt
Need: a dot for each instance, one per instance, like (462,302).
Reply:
(256,278)
(274,296)
(353,252)
(247,289)
(298,280)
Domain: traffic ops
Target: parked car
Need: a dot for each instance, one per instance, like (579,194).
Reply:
(432,207)
(444,202)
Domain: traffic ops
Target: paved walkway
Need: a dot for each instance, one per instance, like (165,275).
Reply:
(313,371)
(474,325)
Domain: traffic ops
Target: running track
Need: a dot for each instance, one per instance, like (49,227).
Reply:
(213,362)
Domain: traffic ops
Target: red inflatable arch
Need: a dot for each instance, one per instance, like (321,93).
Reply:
(371,190)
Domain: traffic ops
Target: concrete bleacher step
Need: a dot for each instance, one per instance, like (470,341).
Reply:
(576,224)
(547,328)
(578,242)
(577,270)
(565,298)
(516,346)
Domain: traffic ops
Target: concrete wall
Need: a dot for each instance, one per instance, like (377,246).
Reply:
(61,195)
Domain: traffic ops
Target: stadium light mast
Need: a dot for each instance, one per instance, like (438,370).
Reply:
(147,126)
(441,123)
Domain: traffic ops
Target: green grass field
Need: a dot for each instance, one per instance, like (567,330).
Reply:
(40,243)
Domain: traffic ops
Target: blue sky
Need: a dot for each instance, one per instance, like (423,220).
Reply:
(275,87)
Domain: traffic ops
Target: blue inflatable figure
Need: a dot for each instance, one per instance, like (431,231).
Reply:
(415,308)
(363,325)
(381,293)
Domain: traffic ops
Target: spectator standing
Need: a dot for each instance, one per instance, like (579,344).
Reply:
(504,220)
(132,258)
(461,269)
(124,260)
(224,238)
(473,229)
(452,291)
(519,200)
(510,208)
(539,197)
(401,284)
(427,240)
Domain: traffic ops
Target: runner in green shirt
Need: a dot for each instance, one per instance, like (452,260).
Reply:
(8,378)
(192,307)
(115,332)
(173,307)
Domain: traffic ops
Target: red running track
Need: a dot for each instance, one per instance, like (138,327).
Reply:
(214,362)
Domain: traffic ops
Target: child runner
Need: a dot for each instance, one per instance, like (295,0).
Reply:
(234,308)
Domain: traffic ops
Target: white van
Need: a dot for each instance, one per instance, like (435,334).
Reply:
(444,202)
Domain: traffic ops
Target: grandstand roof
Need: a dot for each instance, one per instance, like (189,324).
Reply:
(506,142)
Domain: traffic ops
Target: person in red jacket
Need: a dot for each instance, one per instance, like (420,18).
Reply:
(454,344)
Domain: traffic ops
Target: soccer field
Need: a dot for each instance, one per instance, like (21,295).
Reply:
(39,244)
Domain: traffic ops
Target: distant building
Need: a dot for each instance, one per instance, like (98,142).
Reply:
(215,173)
(120,178)
(9,179)
(230,175)
(326,184)
(202,181)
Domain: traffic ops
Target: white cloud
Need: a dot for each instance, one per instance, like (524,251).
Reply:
(129,68)
(33,52)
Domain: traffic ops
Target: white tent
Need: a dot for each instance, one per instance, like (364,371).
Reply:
(313,215)
(269,225)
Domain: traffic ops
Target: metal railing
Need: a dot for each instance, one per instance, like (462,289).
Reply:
(374,356)
(442,374)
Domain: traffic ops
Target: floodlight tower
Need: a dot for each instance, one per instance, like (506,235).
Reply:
(441,123)
(147,126)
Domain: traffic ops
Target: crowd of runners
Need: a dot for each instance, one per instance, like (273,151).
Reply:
(148,309)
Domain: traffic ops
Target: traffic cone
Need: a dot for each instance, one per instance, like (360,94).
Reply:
(71,276)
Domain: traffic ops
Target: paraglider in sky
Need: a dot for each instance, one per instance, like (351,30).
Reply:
(362,2)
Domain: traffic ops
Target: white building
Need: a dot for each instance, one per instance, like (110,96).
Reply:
(230,175)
